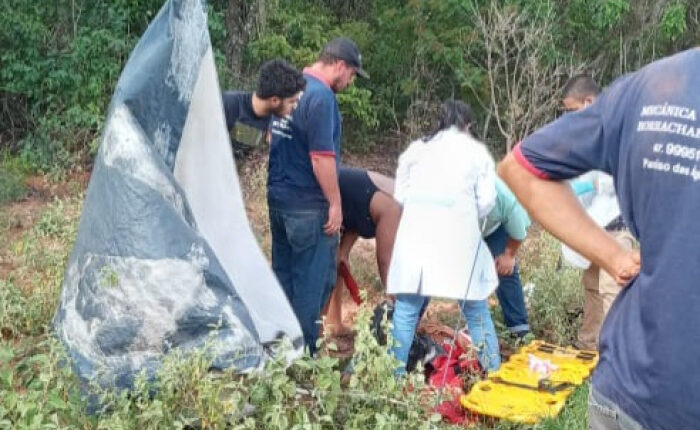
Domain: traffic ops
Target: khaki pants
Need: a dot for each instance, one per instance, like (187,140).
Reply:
(600,292)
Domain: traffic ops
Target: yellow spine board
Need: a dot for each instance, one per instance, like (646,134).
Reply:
(500,396)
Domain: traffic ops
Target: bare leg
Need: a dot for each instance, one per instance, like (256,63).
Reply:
(333,312)
(386,214)
(333,324)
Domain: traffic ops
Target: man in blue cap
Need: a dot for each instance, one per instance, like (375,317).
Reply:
(302,188)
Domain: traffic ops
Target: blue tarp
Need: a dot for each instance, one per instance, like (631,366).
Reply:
(165,257)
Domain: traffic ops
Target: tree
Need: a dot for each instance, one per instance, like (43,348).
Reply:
(522,74)
(243,19)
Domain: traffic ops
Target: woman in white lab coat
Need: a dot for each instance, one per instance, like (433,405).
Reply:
(446,185)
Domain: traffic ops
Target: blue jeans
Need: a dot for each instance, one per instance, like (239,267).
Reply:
(303,259)
(510,290)
(408,311)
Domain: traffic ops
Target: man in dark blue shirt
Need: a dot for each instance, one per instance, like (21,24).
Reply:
(279,87)
(302,185)
(644,131)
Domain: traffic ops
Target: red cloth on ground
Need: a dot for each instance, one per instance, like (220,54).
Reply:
(453,412)
(448,368)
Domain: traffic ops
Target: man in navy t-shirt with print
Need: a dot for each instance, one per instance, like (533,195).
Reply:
(645,131)
(302,185)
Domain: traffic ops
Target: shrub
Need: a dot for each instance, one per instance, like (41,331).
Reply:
(11,185)
(37,389)
(556,301)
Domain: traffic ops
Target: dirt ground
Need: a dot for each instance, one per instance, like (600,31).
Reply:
(19,216)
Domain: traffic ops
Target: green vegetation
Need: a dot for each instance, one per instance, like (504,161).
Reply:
(556,301)
(60,62)
(11,185)
(58,68)
(38,390)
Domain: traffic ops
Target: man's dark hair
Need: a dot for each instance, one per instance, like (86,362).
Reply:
(580,87)
(277,78)
(452,113)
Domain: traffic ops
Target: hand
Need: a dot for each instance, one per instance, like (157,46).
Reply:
(505,264)
(335,219)
(625,267)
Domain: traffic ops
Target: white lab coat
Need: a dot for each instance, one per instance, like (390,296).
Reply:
(445,187)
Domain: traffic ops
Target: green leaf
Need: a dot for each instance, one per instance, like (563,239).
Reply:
(6,353)
(37,420)
(57,402)
(6,378)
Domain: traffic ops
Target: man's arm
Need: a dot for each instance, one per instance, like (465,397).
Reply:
(505,263)
(513,216)
(327,177)
(553,204)
(515,221)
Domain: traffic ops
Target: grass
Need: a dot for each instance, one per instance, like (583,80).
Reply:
(37,390)
(11,185)
(29,294)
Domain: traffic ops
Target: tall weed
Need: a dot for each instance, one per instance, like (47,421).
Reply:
(12,186)
(556,300)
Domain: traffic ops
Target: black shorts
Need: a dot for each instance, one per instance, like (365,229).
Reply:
(356,192)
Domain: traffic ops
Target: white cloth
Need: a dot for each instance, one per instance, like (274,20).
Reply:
(445,187)
(602,207)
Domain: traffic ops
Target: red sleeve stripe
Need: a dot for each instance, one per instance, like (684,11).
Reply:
(518,154)
(322,153)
